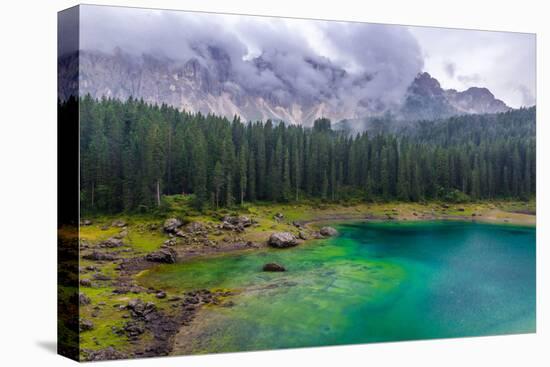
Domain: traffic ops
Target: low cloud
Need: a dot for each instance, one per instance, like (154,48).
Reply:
(527,97)
(356,66)
(469,79)
(450,69)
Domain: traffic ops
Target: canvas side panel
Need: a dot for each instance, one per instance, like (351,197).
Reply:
(68,183)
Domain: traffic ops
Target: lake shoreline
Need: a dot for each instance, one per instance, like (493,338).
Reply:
(199,328)
(114,280)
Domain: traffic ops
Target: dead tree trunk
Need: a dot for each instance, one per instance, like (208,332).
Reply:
(158,193)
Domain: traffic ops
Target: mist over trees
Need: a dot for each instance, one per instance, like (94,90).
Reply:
(133,153)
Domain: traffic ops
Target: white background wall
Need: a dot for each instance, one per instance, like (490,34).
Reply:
(28,182)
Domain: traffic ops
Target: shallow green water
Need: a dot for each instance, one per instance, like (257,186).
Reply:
(375,282)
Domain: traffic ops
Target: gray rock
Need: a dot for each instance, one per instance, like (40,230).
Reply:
(282,240)
(119,223)
(241,220)
(85,325)
(194,227)
(140,309)
(133,329)
(100,256)
(172,224)
(100,276)
(121,234)
(105,354)
(166,256)
(85,282)
(111,243)
(170,242)
(328,231)
(83,300)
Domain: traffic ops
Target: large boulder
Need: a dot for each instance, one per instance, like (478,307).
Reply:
(328,231)
(273,267)
(282,240)
(171,225)
(165,255)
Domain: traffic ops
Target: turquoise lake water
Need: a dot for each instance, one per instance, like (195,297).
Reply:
(385,281)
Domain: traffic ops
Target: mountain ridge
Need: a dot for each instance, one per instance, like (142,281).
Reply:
(207,84)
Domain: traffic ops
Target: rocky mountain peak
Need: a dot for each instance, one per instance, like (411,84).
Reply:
(424,84)
(207,82)
(426,99)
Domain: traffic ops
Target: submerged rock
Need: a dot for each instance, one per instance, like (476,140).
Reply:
(328,231)
(282,240)
(273,267)
(166,255)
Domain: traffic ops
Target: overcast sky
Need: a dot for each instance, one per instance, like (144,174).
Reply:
(501,61)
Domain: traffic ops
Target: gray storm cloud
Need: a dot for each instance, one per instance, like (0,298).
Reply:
(356,66)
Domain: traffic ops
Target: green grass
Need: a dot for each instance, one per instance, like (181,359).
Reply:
(145,241)
(94,232)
